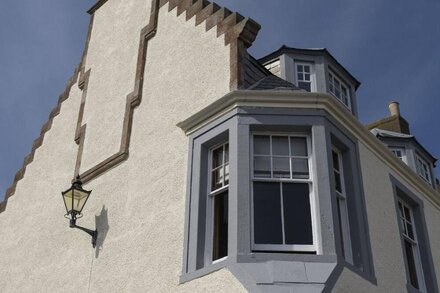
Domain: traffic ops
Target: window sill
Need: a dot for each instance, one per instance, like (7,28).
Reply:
(216,266)
(285,256)
(365,275)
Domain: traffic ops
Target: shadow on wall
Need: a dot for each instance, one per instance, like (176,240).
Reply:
(101,222)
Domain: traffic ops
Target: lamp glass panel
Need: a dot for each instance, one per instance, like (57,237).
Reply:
(75,199)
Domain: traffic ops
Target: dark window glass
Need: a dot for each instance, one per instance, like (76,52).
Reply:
(335,160)
(220,231)
(262,167)
(297,215)
(298,146)
(280,146)
(281,167)
(338,204)
(217,157)
(338,184)
(411,264)
(261,145)
(267,213)
(305,86)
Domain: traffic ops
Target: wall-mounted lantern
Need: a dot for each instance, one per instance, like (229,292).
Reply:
(75,199)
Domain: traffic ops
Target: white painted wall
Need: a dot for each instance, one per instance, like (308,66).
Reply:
(386,245)
(112,59)
(144,197)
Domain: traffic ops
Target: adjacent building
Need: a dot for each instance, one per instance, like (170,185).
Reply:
(213,171)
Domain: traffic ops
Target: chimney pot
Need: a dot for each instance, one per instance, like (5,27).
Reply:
(394,108)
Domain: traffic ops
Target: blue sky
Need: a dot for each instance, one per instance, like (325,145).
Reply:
(392,47)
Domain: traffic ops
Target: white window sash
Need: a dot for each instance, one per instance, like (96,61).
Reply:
(210,205)
(403,152)
(331,79)
(423,169)
(346,235)
(415,246)
(312,197)
(312,74)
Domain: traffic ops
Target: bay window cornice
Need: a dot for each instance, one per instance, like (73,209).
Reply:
(317,101)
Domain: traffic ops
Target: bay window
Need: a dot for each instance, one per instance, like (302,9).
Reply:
(282,201)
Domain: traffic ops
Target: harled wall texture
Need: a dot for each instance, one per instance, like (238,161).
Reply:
(138,206)
(111,58)
(386,245)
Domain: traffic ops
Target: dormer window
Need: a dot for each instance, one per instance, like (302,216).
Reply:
(399,152)
(305,76)
(339,89)
(423,169)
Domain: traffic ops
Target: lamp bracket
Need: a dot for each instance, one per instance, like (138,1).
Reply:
(93,233)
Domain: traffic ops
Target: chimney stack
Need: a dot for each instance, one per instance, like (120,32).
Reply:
(395,122)
(394,108)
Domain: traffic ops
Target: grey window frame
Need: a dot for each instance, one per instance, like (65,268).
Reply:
(312,196)
(211,194)
(402,193)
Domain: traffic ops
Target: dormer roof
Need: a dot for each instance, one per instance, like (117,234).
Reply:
(310,51)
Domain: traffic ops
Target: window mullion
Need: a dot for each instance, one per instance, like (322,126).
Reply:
(290,159)
(282,213)
(271,159)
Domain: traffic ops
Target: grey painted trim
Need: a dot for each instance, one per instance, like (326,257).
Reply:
(413,149)
(203,271)
(422,234)
(357,210)
(334,277)
(240,123)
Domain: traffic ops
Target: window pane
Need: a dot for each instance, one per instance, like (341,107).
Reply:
(300,68)
(410,261)
(335,160)
(267,213)
(220,231)
(226,153)
(338,204)
(410,231)
(300,168)
(307,76)
(299,146)
(261,145)
(300,76)
(281,167)
(262,167)
(217,178)
(217,157)
(226,174)
(305,86)
(407,214)
(306,68)
(338,184)
(280,146)
(297,214)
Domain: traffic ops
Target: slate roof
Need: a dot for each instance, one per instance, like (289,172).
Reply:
(273,82)
(391,134)
(316,51)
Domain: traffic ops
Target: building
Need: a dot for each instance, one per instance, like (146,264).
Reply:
(213,171)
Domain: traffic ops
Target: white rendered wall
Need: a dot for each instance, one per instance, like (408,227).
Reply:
(141,201)
(36,253)
(112,58)
(386,245)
